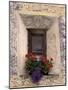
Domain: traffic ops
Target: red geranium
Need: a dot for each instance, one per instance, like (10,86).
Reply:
(42,63)
(47,62)
(44,59)
(31,56)
(50,66)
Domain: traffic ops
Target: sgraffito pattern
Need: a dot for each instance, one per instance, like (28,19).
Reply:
(13,41)
(62,38)
(17,81)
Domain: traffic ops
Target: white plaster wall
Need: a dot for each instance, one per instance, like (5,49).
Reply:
(53,47)
(22,45)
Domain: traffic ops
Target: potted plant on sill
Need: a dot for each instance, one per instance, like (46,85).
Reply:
(36,69)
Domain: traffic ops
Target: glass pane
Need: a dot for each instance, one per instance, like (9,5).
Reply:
(37,44)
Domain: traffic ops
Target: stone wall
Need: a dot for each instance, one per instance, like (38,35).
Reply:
(18,43)
(40,9)
(37,21)
(16,27)
(53,43)
(62,32)
(13,41)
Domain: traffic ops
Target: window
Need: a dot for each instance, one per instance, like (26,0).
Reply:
(36,41)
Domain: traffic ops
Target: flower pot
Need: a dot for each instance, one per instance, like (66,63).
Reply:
(36,75)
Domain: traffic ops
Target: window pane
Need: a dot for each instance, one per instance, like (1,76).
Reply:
(37,43)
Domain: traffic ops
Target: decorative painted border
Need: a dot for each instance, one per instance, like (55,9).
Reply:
(13,33)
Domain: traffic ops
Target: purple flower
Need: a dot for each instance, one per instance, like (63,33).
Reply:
(36,75)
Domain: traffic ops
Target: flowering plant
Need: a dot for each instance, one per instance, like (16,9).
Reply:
(36,69)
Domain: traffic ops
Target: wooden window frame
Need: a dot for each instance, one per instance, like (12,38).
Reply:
(30,33)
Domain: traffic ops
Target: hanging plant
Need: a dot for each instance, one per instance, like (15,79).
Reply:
(36,69)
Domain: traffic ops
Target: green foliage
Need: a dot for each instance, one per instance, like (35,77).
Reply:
(32,65)
(45,68)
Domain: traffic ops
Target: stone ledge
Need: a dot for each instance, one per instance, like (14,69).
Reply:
(47,80)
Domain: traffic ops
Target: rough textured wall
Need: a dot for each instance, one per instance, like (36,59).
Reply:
(37,21)
(18,43)
(13,41)
(46,10)
(14,33)
(52,10)
(62,39)
(53,46)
